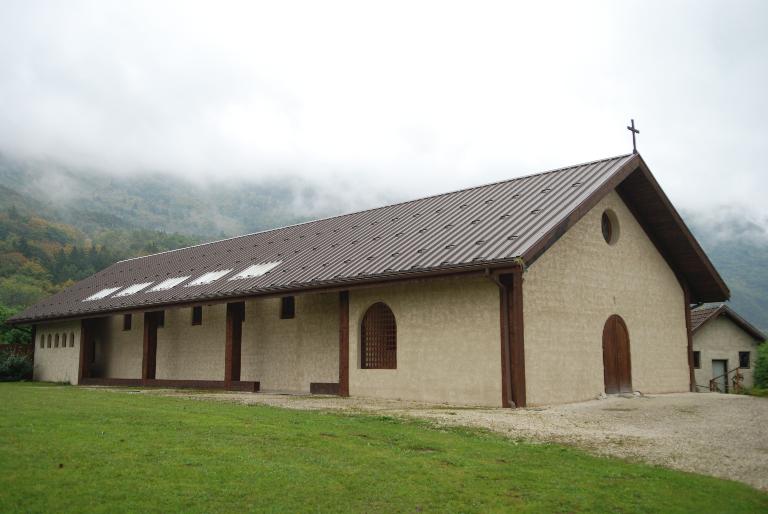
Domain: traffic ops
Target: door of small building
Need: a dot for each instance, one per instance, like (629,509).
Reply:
(719,368)
(617,366)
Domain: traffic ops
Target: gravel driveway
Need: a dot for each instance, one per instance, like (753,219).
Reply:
(710,433)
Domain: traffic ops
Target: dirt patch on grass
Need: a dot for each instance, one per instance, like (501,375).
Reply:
(709,433)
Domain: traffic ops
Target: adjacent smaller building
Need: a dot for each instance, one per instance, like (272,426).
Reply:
(723,342)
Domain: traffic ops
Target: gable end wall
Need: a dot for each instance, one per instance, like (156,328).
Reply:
(722,339)
(570,292)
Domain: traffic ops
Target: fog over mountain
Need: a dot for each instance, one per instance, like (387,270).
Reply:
(363,101)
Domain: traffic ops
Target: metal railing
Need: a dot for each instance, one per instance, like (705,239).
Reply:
(736,382)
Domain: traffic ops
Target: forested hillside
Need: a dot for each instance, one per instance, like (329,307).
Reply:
(59,225)
(39,256)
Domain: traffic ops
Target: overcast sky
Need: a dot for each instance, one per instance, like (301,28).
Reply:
(404,98)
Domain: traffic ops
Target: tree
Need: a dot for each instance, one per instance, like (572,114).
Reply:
(10,334)
(761,366)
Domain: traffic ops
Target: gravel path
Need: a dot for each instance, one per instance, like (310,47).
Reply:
(710,433)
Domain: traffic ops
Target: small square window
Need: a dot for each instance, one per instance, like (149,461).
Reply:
(744,360)
(127,320)
(697,360)
(287,307)
(197,315)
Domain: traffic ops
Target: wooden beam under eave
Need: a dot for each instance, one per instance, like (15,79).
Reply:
(344,343)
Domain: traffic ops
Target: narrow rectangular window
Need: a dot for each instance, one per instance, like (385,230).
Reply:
(197,315)
(127,319)
(744,359)
(697,360)
(287,307)
(160,319)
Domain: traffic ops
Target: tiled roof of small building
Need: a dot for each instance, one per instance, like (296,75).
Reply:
(494,225)
(705,313)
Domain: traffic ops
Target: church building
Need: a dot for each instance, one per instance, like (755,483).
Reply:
(549,288)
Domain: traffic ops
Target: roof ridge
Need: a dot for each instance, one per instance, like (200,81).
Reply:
(521,177)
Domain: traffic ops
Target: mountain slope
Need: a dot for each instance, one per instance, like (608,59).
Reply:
(739,251)
(92,201)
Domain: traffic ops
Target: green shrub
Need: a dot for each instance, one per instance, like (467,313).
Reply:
(755,391)
(761,367)
(14,367)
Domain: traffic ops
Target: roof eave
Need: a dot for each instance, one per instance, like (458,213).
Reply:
(711,289)
(484,267)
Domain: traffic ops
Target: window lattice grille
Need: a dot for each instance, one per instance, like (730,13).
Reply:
(379,338)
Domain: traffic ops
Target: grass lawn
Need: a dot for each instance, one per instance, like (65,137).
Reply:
(66,449)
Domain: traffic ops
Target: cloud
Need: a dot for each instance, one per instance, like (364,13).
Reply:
(394,99)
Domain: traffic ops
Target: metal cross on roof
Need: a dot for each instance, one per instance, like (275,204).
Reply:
(634,131)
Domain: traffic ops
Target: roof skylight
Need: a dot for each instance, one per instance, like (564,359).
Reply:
(102,294)
(256,270)
(169,283)
(135,288)
(209,277)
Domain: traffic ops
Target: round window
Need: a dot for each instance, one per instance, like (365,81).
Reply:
(610,226)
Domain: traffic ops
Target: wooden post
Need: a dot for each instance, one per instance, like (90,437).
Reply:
(344,343)
(517,339)
(149,358)
(233,346)
(34,348)
(687,306)
(504,282)
(86,343)
(512,339)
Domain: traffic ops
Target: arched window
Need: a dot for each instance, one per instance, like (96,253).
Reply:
(42,341)
(56,341)
(378,338)
(49,340)
(71,339)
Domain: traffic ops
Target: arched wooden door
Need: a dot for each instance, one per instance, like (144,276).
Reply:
(617,366)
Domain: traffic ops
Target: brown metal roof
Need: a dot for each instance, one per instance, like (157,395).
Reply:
(701,315)
(494,225)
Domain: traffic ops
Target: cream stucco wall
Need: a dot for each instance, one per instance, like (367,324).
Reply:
(192,352)
(57,364)
(722,339)
(118,352)
(448,342)
(289,354)
(570,292)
